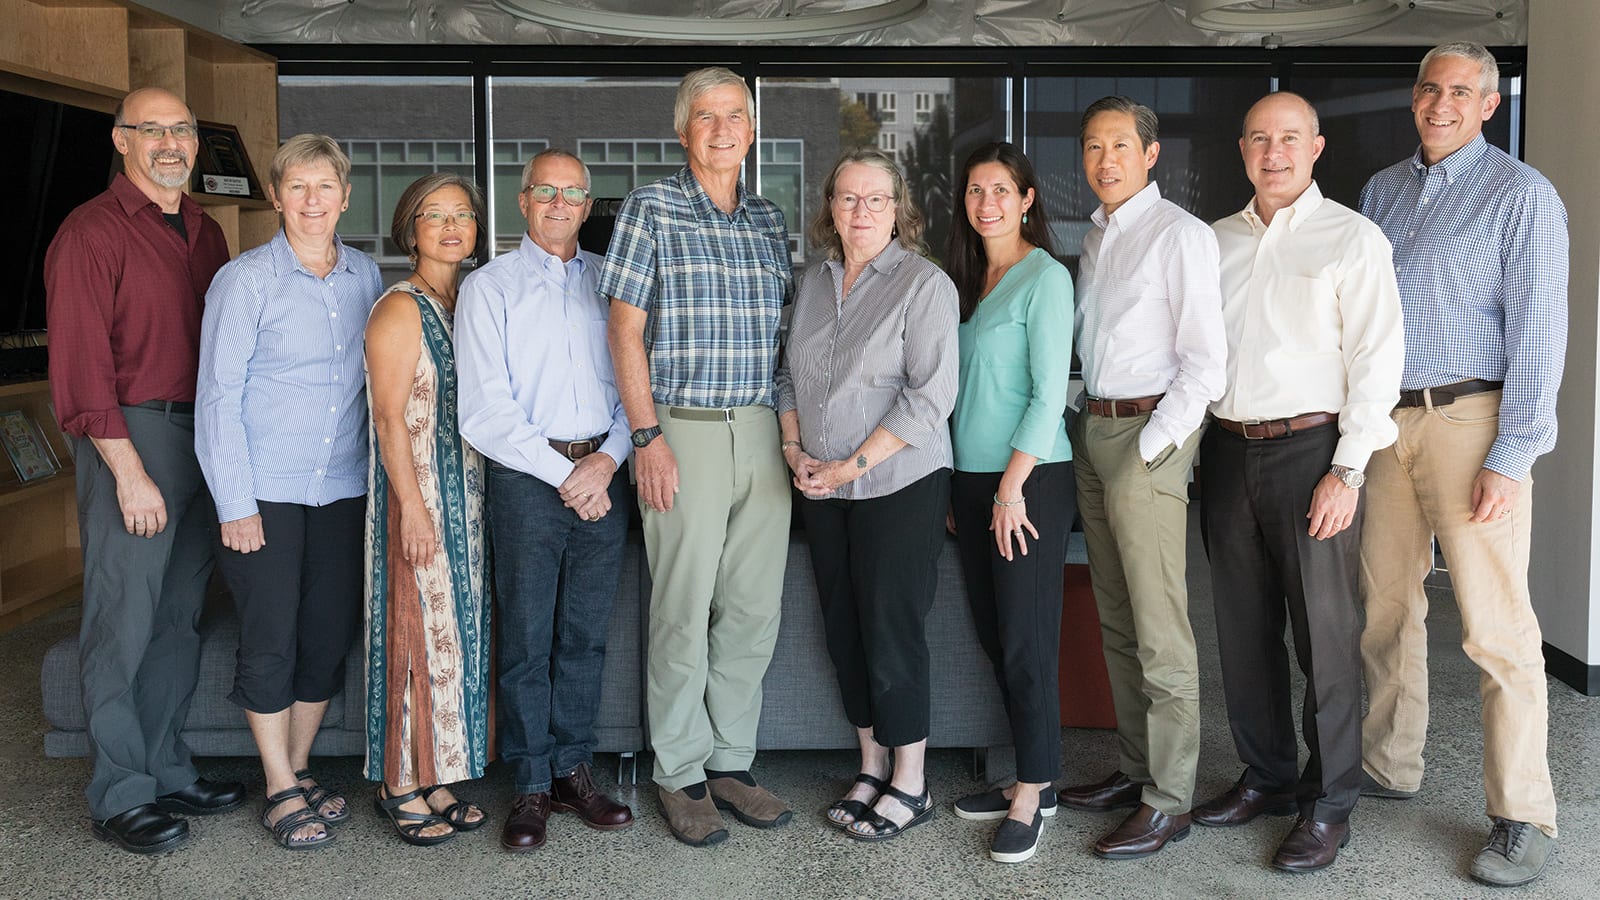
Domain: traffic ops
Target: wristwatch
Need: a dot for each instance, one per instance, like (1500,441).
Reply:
(1352,478)
(643,436)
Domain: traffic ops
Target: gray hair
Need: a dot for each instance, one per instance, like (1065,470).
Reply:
(308,150)
(698,82)
(1144,118)
(907,218)
(553,153)
(1488,69)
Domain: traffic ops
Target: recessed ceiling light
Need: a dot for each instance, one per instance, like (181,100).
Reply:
(1283,16)
(726,28)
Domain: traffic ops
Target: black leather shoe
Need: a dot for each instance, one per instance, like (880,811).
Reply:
(1114,792)
(1240,804)
(1311,846)
(143,829)
(203,798)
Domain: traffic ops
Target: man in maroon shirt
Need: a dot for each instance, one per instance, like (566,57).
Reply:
(125,279)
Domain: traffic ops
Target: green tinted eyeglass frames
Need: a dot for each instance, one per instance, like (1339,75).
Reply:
(544,193)
(153,132)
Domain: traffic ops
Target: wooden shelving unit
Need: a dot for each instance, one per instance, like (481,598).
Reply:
(90,53)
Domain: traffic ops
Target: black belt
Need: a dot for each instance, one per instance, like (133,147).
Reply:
(182,407)
(1446,394)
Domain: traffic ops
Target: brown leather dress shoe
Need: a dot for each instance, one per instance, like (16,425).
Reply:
(1116,791)
(576,793)
(525,827)
(1143,833)
(1311,846)
(1239,804)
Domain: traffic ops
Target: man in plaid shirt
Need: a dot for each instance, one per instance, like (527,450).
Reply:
(698,273)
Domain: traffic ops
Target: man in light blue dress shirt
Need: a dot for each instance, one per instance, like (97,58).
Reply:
(539,400)
(1480,253)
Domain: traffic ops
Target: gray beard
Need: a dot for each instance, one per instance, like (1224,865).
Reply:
(174,180)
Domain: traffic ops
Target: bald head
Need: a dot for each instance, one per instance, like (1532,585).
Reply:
(158,165)
(1279,145)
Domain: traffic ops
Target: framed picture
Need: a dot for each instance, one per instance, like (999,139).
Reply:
(30,453)
(221,166)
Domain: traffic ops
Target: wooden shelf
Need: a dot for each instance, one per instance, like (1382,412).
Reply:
(38,578)
(64,480)
(240,202)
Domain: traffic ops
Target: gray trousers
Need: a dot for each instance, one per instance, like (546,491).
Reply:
(138,644)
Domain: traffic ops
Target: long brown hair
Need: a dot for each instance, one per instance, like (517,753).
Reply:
(967,263)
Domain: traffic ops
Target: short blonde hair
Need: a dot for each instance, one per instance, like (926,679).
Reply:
(308,150)
(698,82)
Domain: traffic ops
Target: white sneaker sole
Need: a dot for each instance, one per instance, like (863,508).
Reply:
(1021,856)
(997,814)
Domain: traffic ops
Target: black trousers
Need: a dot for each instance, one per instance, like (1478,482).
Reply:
(1265,569)
(139,651)
(299,602)
(1016,605)
(875,566)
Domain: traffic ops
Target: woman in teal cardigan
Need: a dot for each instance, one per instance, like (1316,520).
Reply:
(1012,490)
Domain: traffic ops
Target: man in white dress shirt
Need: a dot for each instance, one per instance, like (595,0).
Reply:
(538,399)
(1149,335)
(1315,349)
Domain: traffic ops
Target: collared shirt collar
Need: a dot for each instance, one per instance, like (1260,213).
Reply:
(540,258)
(885,262)
(701,201)
(1130,210)
(131,199)
(284,261)
(1298,211)
(1454,164)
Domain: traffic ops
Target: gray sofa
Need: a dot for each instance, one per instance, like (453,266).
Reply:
(800,705)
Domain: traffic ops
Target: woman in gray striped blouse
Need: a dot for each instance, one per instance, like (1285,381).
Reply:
(864,393)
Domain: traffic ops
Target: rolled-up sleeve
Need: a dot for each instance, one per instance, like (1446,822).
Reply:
(932,364)
(1049,329)
(227,341)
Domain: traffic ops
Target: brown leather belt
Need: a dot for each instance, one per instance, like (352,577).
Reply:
(576,450)
(1122,409)
(1277,428)
(1446,394)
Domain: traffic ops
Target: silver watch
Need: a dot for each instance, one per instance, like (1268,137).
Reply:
(1352,478)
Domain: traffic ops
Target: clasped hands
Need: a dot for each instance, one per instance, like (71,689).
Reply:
(586,490)
(818,479)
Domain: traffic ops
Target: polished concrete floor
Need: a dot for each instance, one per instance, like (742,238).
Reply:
(1416,848)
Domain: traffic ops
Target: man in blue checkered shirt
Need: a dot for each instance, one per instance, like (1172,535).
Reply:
(1480,253)
(698,273)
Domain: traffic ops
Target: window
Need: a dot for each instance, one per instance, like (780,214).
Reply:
(923,107)
(888,142)
(886,107)
(783,181)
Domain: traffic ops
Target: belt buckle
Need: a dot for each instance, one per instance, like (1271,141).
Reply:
(1255,423)
(577,450)
(727,414)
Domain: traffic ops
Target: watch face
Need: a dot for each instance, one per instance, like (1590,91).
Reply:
(645,435)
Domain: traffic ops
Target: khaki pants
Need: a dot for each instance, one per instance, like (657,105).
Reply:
(716,571)
(1421,487)
(1135,524)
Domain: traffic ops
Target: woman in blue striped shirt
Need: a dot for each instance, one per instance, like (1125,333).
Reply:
(281,432)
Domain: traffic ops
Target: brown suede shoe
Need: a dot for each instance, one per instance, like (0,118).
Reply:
(1239,804)
(1143,833)
(525,826)
(576,793)
(1116,791)
(1311,845)
(753,805)
(695,822)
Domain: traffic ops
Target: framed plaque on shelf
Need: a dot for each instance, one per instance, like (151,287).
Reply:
(30,453)
(222,167)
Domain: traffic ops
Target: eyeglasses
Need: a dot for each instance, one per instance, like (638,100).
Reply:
(464,217)
(874,202)
(151,131)
(545,193)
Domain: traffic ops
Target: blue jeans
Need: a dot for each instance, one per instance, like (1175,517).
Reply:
(555,579)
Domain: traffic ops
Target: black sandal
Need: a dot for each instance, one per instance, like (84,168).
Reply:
(316,795)
(856,809)
(410,825)
(283,830)
(922,810)
(457,812)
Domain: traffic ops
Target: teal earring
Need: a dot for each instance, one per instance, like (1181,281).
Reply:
(1024,218)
